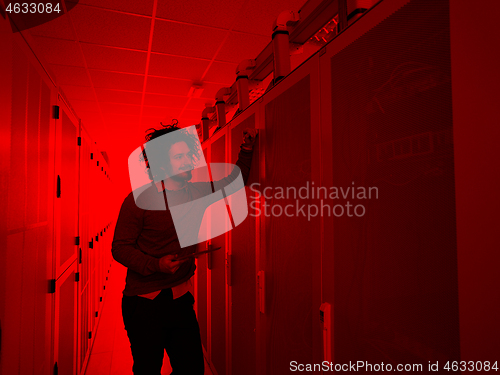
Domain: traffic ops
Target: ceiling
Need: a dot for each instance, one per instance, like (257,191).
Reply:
(127,65)
(131,64)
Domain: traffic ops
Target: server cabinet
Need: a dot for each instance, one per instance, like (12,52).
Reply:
(84,256)
(66,203)
(65,344)
(217,276)
(475,82)
(16,206)
(26,234)
(277,288)
(242,265)
(46,323)
(291,227)
(95,242)
(202,284)
(387,125)
(66,232)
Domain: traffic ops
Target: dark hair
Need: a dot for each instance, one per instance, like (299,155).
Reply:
(180,135)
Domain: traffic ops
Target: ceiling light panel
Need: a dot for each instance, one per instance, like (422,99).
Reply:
(186,40)
(157,85)
(163,113)
(216,13)
(143,7)
(170,101)
(119,81)
(108,28)
(176,67)
(115,96)
(114,59)
(125,109)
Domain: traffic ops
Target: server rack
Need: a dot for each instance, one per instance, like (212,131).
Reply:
(57,206)
(323,124)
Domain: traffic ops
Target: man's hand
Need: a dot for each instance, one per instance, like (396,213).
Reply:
(168,263)
(249,136)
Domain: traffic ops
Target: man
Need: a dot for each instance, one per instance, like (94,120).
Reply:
(157,306)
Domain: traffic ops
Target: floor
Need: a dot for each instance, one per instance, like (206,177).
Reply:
(111,351)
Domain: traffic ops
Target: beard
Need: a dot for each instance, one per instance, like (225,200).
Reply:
(182,176)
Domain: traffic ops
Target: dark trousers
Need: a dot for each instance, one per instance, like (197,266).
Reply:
(162,324)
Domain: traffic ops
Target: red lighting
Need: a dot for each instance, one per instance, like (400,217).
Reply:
(326,33)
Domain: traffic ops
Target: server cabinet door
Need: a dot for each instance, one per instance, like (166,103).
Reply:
(387,125)
(83,257)
(202,285)
(27,232)
(66,206)
(242,268)
(217,275)
(289,327)
(66,322)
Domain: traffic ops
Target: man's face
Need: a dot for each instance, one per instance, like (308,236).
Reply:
(181,162)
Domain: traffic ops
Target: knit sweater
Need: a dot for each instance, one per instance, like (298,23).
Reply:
(143,236)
